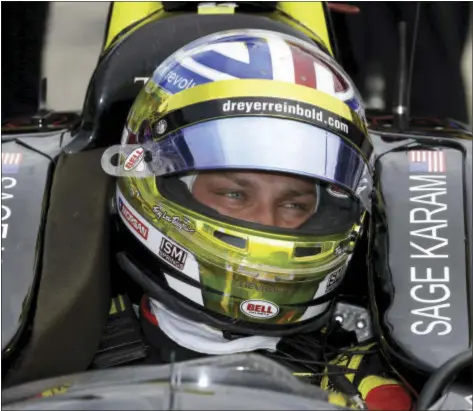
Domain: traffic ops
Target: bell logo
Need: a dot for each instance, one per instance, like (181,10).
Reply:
(259,309)
(134,159)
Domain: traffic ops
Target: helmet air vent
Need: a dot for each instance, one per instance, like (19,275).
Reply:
(307,251)
(230,239)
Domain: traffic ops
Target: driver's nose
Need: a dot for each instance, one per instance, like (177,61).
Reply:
(264,214)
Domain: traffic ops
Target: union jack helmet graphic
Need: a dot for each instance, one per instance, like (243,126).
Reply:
(256,54)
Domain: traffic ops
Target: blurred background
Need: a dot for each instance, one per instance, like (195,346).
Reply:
(73,40)
(72,34)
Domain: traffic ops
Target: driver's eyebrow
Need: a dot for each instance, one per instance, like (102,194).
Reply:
(293,193)
(242,181)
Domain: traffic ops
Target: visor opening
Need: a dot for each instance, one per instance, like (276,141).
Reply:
(231,239)
(307,251)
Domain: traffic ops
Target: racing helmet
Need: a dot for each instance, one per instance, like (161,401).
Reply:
(243,101)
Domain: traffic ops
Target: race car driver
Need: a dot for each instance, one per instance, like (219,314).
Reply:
(243,187)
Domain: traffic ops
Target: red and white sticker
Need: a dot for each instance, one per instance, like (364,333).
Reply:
(134,159)
(134,221)
(261,309)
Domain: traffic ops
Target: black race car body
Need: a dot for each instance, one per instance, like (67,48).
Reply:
(57,252)
(27,170)
(422,240)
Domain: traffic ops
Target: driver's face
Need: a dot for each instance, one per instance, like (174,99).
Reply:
(270,199)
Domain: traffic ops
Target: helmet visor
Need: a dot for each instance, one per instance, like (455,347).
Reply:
(249,143)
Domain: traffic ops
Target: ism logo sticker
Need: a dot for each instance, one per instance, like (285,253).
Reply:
(134,159)
(173,254)
(334,278)
(261,309)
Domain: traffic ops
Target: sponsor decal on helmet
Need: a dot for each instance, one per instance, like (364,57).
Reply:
(179,81)
(173,254)
(134,221)
(258,287)
(134,159)
(334,278)
(273,106)
(261,309)
(178,222)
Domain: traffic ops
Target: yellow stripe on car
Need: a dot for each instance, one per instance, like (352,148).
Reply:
(307,16)
(126,13)
(211,8)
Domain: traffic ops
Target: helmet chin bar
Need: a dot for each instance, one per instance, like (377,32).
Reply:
(193,312)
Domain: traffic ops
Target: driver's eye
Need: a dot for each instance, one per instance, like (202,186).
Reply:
(234,194)
(296,206)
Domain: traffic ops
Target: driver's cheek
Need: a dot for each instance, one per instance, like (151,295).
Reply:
(267,210)
(289,220)
(260,214)
(274,216)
